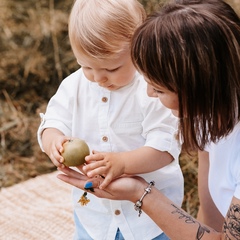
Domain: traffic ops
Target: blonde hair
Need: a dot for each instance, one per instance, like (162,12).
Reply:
(102,28)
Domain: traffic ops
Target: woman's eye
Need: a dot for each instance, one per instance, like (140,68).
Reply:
(157,91)
(86,68)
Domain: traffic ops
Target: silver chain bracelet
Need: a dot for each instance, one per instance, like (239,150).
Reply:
(138,204)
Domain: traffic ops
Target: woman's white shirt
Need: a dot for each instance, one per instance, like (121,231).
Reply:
(224,171)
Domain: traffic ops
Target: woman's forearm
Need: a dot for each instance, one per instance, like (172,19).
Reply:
(173,220)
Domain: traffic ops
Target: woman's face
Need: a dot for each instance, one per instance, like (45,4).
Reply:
(168,98)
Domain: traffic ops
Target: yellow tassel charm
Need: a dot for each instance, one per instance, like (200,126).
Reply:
(84,200)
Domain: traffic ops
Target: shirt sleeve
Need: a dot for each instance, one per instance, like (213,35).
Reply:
(160,128)
(59,110)
(236,174)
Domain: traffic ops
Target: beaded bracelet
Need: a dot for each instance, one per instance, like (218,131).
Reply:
(138,204)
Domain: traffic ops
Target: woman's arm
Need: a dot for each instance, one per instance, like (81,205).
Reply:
(208,212)
(173,220)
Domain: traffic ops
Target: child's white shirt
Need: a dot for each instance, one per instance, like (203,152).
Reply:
(116,121)
(224,170)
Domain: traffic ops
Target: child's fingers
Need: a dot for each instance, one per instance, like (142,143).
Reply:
(94,151)
(94,157)
(59,144)
(94,166)
(56,160)
(105,182)
(95,172)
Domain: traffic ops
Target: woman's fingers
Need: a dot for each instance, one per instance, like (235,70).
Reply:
(72,173)
(79,180)
(70,180)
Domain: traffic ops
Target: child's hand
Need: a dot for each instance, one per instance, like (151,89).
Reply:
(55,150)
(107,165)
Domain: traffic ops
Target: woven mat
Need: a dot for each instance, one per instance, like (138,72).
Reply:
(37,209)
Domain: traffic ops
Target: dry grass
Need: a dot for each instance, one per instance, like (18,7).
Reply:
(189,167)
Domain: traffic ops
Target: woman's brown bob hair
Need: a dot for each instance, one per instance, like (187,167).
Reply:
(194,51)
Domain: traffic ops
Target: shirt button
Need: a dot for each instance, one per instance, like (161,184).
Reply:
(104,99)
(117,212)
(105,139)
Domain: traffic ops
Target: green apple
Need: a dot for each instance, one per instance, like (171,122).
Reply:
(74,152)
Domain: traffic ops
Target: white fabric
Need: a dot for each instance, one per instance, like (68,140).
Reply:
(224,171)
(129,119)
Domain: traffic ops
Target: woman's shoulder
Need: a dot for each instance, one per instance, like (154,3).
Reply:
(235,134)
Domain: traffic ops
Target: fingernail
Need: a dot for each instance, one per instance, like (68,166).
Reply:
(62,166)
(88,185)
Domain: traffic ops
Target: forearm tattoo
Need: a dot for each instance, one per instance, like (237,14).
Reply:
(190,220)
(231,226)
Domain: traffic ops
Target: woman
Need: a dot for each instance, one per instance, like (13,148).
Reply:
(189,54)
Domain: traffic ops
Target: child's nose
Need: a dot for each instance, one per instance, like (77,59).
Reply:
(100,78)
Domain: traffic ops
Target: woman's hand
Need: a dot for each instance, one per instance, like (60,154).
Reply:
(123,188)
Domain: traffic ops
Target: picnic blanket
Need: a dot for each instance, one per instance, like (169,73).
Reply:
(37,209)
